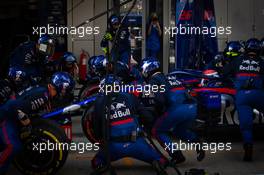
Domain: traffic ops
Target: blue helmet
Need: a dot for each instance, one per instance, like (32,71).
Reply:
(90,62)
(17,75)
(253,45)
(149,65)
(114,20)
(69,58)
(219,57)
(233,49)
(63,82)
(110,79)
(68,61)
(46,45)
(98,64)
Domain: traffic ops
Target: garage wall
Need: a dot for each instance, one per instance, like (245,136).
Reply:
(244,16)
(85,10)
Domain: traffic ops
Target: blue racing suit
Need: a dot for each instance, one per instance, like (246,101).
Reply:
(29,102)
(153,43)
(6,90)
(122,51)
(174,111)
(248,74)
(25,58)
(126,139)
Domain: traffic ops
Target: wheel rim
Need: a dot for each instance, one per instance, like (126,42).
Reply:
(35,159)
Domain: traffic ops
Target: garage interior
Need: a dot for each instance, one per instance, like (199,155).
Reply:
(18,17)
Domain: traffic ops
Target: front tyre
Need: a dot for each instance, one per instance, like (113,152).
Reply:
(30,161)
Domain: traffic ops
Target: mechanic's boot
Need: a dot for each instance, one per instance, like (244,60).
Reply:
(248,148)
(177,157)
(200,154)
(159,168)
(103,170)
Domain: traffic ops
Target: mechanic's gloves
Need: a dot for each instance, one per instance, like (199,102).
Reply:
(105,50)
(107,54)
(108,36)
(23,118)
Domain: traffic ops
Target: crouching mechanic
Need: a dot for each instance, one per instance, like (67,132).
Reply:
(174,110)
(126,136)
(18,80)
(248,71)
(15,112)
(13,85)
(30,56)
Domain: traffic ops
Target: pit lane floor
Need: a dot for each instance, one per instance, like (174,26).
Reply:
(225,163)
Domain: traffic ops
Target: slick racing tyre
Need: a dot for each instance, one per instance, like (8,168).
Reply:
(88,90)
(30,161)
(87,125)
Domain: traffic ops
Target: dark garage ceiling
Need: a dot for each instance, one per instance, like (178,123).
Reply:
(14,8)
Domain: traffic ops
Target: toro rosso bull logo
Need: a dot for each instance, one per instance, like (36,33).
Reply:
(119,110)
(250,65)
(115,106)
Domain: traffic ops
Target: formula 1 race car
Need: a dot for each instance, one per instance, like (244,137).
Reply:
(213,94)
(215,99)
